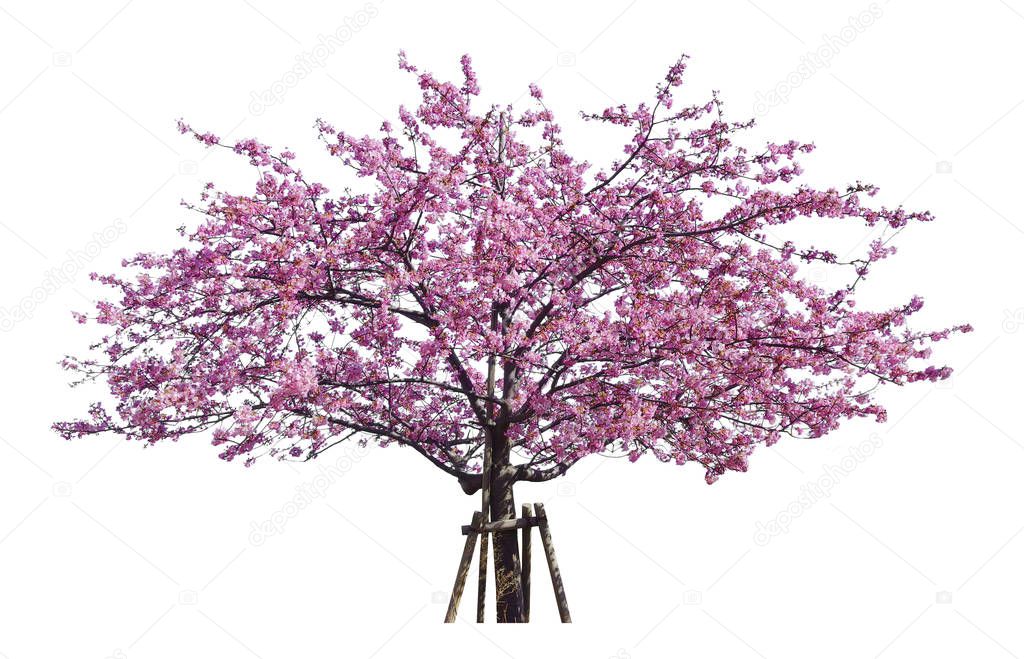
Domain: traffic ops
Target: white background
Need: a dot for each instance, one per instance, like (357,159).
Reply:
(108,550)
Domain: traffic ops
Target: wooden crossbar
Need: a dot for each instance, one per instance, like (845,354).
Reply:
(502,525)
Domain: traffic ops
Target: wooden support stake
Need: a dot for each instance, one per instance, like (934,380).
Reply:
(556,575)
(527,530)
(485,481)
(485,515)
(481,582)
(460,577)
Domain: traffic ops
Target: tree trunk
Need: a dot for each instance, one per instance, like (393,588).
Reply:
(507,567)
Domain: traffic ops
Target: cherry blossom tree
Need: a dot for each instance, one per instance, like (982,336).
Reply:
(483,285)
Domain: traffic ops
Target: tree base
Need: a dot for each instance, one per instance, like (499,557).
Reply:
(511,580)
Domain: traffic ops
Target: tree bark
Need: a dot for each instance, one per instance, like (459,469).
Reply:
(508,590)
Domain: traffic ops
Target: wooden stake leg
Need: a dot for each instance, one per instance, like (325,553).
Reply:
(527,512)
(460,577)
(556,574)
(481,583)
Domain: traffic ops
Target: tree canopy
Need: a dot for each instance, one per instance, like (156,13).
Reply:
(640,308)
